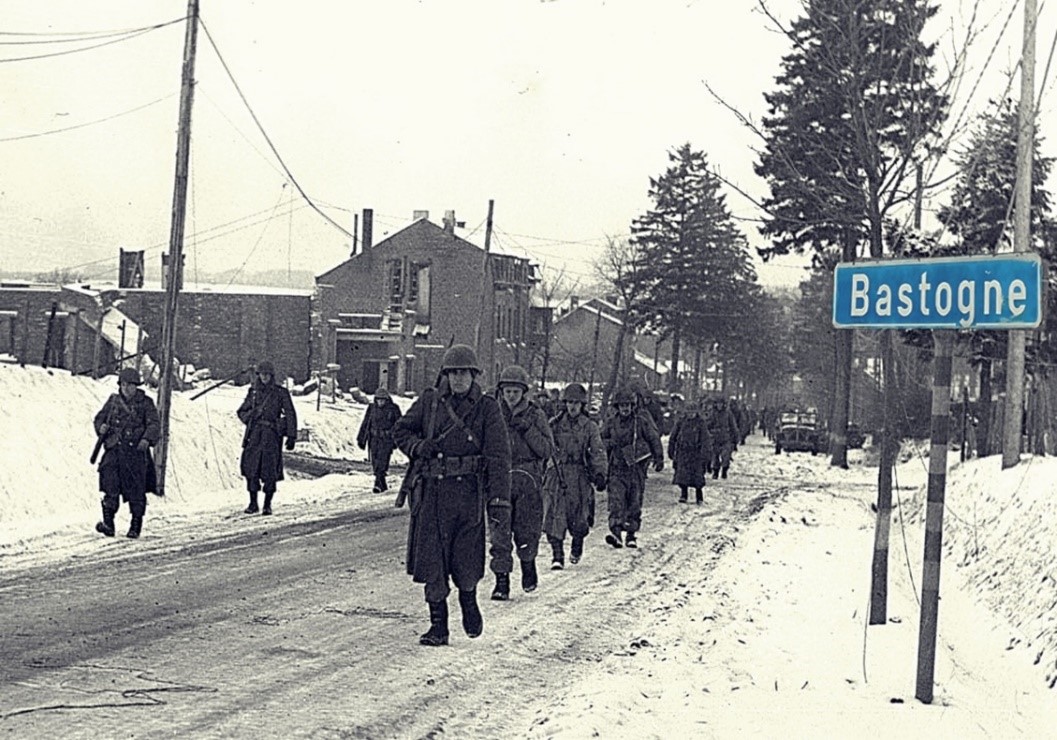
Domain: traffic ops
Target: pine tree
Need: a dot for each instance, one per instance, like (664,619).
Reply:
(694,268)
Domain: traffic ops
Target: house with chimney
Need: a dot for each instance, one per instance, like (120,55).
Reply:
(387,314)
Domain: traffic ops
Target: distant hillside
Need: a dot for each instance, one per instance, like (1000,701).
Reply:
(296,279)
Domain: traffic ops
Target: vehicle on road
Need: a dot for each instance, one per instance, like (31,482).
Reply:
(798,431)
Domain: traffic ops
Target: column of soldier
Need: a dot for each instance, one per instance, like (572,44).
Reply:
(525,466)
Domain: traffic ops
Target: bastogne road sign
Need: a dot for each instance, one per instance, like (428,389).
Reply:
(1003,291)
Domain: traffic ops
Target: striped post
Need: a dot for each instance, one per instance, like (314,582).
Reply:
(930,580)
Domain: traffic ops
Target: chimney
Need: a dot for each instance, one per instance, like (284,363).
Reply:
(449,222)
(130,269)
(416,215)
(368,228)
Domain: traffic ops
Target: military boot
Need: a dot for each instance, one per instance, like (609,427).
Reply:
(577,550)
(379,484)
(266,510)
(438,625)
(135,526)
(472,621)
(557,553)
(107,525)
(501,592)
(682,494)
(529,577)
(253,508)
(613,539)
(700,498)
(723,473)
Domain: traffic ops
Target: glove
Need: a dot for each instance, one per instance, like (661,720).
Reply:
(143,445)
(658,464)
(103,428)
(600,482)
(424,448)
(290,443)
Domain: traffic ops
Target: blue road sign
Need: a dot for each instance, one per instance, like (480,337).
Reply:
(990,292)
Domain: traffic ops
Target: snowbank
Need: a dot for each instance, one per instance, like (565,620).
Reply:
(48,486)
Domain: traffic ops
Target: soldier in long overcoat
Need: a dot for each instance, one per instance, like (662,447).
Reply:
(579,463)
(129,426)
(268,413)
(690,450)
(376,435)
(459,449)
(631,441)
(531,445)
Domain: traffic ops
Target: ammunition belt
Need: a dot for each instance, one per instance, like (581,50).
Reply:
(452,467)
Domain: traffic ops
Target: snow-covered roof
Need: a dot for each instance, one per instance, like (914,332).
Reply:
(220,288)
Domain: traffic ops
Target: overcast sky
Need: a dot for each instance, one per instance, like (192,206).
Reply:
(559,110)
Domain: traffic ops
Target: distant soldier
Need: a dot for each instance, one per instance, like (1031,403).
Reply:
(725,435)
(579,463)
(376,435)
(128,427)
(690,449)
(531,445)
(459,449)
(268,413)
(631,440)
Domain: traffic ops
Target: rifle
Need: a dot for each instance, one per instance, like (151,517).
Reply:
(98,446)
(222,382)
(411,475)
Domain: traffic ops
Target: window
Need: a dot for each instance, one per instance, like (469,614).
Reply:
(396,282)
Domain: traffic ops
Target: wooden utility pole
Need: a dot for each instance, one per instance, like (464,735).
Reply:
(487,304)
(1021,236)
(176,239)
(594,357)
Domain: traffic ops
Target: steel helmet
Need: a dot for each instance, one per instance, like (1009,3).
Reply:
(623,395)
(381,393)
(265,367)
(129,375)
(574,392)
(460,357)
(514,375)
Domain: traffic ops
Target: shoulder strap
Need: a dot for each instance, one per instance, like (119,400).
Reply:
(461,425)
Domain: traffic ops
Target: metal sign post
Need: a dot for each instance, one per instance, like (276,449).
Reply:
(944,294)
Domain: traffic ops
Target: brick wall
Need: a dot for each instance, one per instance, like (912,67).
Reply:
(24,335)
(226,332)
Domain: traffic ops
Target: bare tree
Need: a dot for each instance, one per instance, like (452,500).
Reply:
(616,268)
(554,287)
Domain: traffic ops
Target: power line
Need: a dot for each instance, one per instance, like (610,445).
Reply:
(264,133)
(87,123)
(125,37)
(72,38)
(113,31)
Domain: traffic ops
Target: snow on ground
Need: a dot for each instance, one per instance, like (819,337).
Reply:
(49,499)
(774,642)
(771,643)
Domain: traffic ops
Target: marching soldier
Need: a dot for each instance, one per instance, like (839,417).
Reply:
(128,427)
(459,449)
(268,413)
(579,463)
(376,435)
(631,440)
(531,445)
(723,429)
(690,449)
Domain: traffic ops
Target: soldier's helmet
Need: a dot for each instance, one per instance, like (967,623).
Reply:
(129,375)
(574,392)
(381,393)
(623,395)
(265,367)
(514,375)
(460,357)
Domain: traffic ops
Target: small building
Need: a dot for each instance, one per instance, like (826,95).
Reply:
(388,313)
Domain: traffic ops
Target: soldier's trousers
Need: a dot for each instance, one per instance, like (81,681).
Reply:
(626,486)
(137,504)
(721,454)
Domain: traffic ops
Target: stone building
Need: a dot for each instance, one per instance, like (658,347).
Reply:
(387,314)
